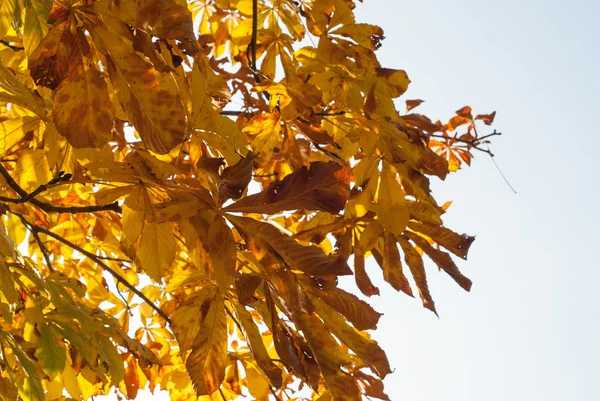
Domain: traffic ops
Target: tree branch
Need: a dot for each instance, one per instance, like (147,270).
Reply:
(99,262)
(254,39)
(474,143)
(13,47)
(25,197)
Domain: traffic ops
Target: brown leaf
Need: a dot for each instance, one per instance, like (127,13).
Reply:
(322,187)
(411,104)
(417,269)
(465,112)
(442,259)
(82,110)
(357,311)
(362,279)
(55,55)
(488,119)
(309,259)
(367,349)
(236,178)
(245,285)
(455,243)
(390,263)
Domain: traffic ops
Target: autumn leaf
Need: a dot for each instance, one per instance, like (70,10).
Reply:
(183,183)
(308,259)
(83,112)
(323,186)
(136,82)
(156,249)
(208,359)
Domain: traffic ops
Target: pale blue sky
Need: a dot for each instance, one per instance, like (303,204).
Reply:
(528,330)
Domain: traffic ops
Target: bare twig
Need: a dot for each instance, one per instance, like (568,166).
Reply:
(12,47)
(474,143)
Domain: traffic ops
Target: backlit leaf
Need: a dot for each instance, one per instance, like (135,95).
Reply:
(208,359)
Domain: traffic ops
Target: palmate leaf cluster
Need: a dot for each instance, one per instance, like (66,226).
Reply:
(183,184)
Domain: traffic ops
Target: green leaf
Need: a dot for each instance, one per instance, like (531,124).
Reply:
(50,352)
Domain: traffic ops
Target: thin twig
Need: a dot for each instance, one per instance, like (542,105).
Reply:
(239,326)
(254,39)
(274,394)
(103,265)
(25,197)
(124,301)
(502,174)
(275,174)
(13,47)
(222,395)
(333,113)
(42,247)
(33,230)
(474,143)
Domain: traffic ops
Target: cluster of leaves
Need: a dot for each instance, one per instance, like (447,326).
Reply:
(155,235)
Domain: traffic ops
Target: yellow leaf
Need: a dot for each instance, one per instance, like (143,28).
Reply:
(164,18)
(265,129)
(207,362)
(7,10)
(222,250)
(32,170)
(257,346)
(258,386)
(12,131)
(188,318)
(35,26)
(367,349)
(391,208)
(156,250)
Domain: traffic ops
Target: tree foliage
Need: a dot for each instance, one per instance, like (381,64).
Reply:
(182,185)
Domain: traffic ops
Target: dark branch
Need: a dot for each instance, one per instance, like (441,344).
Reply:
(232,112)
(474,143)
(254,39)
(25,197)
(13,47)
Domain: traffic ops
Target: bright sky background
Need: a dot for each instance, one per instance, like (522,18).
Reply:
(528,329)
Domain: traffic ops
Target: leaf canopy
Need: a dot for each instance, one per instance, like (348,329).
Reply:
(183,184)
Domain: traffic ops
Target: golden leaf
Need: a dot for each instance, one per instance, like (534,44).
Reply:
(208,359)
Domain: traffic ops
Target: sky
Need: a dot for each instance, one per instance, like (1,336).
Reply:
(527,331)
(528,328)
